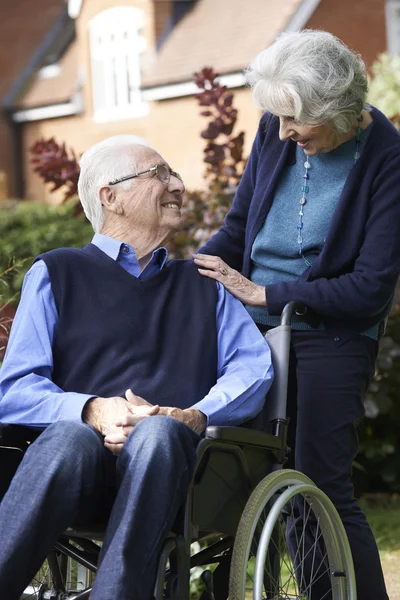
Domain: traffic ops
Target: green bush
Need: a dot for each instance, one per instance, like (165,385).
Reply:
(28,229)
(384,85)
(378,463)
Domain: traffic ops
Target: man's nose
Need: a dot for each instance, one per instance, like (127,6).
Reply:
(285,130)
(176,185)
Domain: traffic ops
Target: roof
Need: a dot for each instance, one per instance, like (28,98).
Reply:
(224,34)
(54,43)
(22,30)
(59,88)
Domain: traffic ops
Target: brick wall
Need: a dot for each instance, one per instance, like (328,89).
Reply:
(360,24)
(172,128)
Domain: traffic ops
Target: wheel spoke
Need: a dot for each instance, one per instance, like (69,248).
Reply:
(300,543)
(313,558)
(43,580)
(314,547)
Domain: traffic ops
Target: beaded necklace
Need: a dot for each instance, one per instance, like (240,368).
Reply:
(305,190)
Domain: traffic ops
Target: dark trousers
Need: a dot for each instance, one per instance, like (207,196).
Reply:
(328,380)
(67,475)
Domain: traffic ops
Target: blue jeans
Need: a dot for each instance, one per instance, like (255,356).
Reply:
(67,476)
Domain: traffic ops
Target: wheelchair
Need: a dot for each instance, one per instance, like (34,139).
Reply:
(265,532)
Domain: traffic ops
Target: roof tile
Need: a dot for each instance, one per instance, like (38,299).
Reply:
(224,34)
(55,90)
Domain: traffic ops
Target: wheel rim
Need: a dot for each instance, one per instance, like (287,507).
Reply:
(297,555)
(268,502)
(281,569)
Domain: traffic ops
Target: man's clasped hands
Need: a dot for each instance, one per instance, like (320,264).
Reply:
(116,417)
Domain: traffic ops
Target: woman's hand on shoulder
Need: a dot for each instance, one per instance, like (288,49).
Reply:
(243,289)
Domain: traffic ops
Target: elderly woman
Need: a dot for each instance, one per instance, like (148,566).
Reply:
(316,219)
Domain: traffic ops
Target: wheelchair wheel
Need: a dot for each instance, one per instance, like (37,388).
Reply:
(291,543)
(57,579)
(42,582)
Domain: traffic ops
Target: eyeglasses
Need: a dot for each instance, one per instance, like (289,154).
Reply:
(162,172)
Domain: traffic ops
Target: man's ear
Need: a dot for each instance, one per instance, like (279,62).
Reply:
(110,199)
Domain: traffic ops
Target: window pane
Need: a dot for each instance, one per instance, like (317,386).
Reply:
(116,47)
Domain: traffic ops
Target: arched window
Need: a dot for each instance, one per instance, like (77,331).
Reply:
(116,47)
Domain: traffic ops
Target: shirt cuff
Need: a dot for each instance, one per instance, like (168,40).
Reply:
(202,407)
(72,406)
(210,407)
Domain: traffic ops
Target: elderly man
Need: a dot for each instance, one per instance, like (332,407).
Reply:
(123,359)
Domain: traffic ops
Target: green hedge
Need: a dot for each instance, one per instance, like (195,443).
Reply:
(28,229)
(378,463)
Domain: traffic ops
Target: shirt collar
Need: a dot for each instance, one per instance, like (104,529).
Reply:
(107,244)
(112,248)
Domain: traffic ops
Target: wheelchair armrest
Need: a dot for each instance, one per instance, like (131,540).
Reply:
(17,436)
(243,436)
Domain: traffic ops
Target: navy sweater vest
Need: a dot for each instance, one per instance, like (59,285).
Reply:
(156,336)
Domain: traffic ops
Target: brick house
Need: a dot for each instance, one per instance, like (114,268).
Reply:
(95,68)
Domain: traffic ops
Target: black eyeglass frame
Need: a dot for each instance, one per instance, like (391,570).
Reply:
(170,173)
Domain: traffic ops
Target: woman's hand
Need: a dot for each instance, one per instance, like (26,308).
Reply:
(245,290)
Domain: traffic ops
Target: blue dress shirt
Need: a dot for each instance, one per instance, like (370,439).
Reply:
(28,396)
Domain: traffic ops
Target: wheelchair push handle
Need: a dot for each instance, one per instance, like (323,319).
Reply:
(290,309)
(278,339)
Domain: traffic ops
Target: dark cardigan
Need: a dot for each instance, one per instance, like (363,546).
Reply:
(351,283)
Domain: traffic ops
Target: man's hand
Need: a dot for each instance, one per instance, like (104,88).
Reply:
(125,424)
(138,409)
(190,416)
(102,413)
(136,400)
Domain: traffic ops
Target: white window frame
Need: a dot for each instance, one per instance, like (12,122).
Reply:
(393,26)
(49,71)
(116,47)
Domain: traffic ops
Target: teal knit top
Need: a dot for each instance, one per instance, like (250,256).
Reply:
(275,253)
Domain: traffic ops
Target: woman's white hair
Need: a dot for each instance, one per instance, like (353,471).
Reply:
(312,76)
(104,162)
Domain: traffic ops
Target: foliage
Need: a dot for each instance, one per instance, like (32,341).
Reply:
(223,151)
(28,229)
(6,314)
(56,165)
(378,464)
(203,215)
(384,86)
(383,515)
(379,458)
(204,211)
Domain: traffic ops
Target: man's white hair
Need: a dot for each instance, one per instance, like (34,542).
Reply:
(101,163)
(312,76)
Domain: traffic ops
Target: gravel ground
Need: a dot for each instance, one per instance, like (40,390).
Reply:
(391,569)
